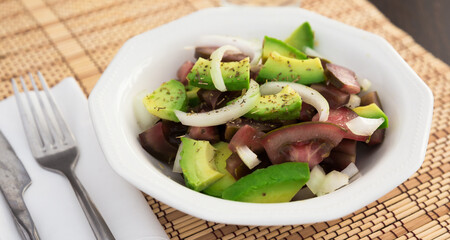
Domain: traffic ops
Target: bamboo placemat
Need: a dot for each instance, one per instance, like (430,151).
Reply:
(79,38)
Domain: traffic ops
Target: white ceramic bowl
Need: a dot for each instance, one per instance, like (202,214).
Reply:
(147,60)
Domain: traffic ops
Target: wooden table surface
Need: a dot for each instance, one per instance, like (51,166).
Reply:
(427,21)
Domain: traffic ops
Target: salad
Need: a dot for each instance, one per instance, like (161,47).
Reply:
(263,124)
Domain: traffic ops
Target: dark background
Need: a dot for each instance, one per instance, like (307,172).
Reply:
(427,21)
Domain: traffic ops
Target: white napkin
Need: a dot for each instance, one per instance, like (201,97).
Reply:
(50,198)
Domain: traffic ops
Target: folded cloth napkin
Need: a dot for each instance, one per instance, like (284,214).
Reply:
(50,198)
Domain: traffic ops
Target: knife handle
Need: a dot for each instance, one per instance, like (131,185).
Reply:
(24,222)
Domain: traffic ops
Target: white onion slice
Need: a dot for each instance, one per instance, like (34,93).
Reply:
(252,49)
(311,52)
(351,170)
(354,101)
(216,73)
(307,94)
(316,178)
(355,177)
(144,119)
(364,126)
(176,164)
(333,181)
(247,156)
(321,184)
(257,57)
(364,83)
(220,116)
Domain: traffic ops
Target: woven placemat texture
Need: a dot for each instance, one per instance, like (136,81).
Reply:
(79,38)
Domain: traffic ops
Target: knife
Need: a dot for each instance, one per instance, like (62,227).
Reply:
(14,180)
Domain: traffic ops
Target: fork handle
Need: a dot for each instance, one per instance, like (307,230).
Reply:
(98,224)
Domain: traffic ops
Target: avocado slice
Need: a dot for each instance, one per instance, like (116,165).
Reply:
(168,97)
(197,163)
(372,111)
(302,37)
(284,105)
(236,75)
(220,161)
(276,183)
(281,68)
(193,99)
(284,49)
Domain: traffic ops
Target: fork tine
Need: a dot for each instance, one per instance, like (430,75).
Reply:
(53,133)
(42,134)
(66,134)
(32,136)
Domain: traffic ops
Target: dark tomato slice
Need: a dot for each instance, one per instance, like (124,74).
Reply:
(340,117)
(275,141)
(204,133)
(307,112)
(377,137)
(173,131)
(183,71)
(155,142)
(247,136)
(346,146)
(371,97)
(217,99)
(233,126)
(342,78)
(311,152)
(236,167)
(334,96)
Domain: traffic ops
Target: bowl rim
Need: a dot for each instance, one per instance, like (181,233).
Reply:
(250,212)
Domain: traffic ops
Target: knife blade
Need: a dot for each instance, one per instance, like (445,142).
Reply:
(14,180)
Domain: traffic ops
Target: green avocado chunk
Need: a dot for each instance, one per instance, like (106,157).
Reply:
(284,69)
(276,183)
(284,105)
(168,97)
(372,111)
(284,49)
(302,37)
(236,75)
(220,160)
(197,164)
(193,99)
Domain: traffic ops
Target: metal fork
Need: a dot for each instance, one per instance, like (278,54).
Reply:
(54,147)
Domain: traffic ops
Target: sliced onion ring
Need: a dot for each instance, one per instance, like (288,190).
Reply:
(220,116)
(307,94)
(316,178)
(311,52)
(364,83)
(351,170)
(333,181)
(216,73)
(248,156)
(364,126)
(354,101)
(320,183)
(176,165)
(144,119)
